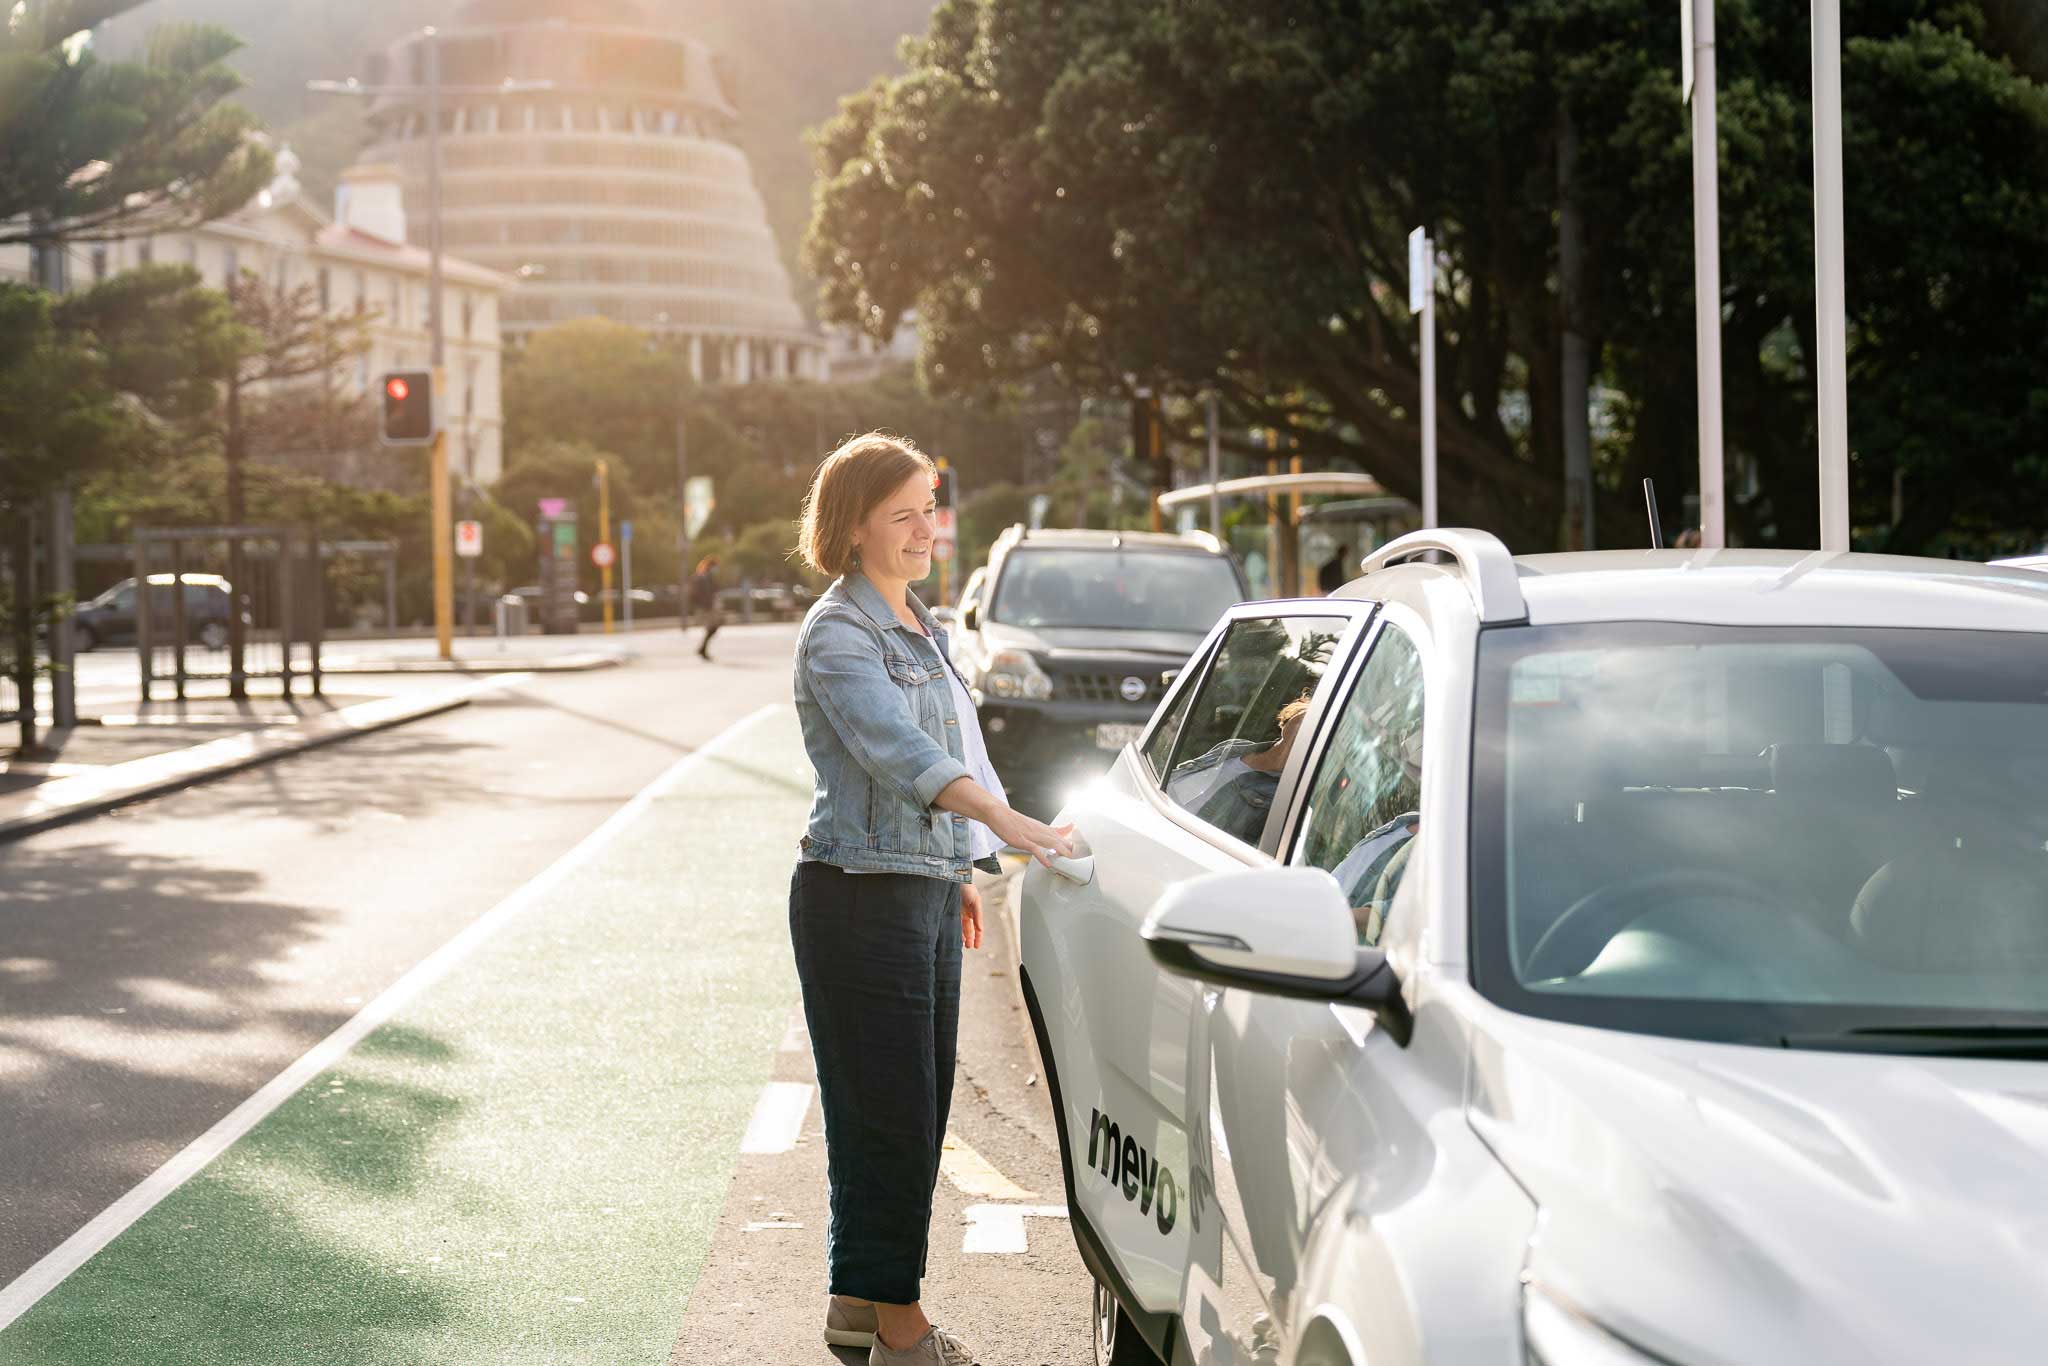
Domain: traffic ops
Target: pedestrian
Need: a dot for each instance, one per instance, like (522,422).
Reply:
(703,603)
(883,901)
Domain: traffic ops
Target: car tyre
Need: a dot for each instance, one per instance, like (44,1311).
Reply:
(1117,1342)
(83,638)
(214,635)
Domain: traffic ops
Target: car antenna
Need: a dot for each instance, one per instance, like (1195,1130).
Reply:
(1656,526)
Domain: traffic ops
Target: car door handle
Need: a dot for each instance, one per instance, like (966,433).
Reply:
(1079,870)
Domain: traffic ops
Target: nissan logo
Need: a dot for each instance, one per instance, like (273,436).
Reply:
(1132,688)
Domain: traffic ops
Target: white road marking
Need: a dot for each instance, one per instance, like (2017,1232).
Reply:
(778,1117)
(20,1294)
(1000,1228)
(973,1174)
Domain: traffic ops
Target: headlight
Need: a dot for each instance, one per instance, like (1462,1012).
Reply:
(1014,673)
(1556,1332)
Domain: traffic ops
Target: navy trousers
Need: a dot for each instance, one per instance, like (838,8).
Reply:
(879,958)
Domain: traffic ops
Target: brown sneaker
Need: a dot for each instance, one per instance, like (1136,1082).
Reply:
(848,1324)
(936,1348)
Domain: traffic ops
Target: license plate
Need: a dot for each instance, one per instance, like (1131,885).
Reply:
(1115,735)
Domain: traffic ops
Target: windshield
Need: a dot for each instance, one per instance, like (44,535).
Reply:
(1774,835)
(1115,589)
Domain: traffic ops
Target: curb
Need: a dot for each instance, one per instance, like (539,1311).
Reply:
(76,798)
(575,663)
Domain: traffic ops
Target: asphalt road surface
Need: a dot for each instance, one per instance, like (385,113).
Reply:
(521,1125)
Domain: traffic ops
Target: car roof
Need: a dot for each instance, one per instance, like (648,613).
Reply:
(1780,587)
(1077,537)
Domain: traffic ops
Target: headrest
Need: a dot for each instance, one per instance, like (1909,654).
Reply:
(1957,910)
(1858,770)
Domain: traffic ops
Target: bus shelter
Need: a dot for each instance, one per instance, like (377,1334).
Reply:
(1285,555)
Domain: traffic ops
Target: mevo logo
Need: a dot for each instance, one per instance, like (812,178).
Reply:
(1130,1168)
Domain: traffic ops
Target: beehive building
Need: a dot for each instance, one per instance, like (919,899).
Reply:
(609,186)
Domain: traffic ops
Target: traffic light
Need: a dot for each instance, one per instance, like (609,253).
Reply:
(942,487)
(408,407)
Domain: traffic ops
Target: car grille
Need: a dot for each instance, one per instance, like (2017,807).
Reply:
(1106,687)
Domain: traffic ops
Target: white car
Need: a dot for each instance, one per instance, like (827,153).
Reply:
(1610,958)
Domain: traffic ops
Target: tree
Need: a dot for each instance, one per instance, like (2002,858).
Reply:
(89,383)
(1198,194)
(91,149)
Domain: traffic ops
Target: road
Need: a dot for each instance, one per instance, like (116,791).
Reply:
(535,1156)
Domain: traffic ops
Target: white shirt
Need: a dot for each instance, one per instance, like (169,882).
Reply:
(981,841)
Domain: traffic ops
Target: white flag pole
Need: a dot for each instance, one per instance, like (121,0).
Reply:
(1698,23)
(1830,306)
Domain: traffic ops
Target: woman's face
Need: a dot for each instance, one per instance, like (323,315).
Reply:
(895,542)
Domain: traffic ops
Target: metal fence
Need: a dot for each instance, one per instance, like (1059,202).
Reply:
(234,603)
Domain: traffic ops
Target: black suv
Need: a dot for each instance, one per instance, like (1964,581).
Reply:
(1068,640)
(109,619)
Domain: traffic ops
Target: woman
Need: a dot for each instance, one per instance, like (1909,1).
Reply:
(883,898)
(703,603)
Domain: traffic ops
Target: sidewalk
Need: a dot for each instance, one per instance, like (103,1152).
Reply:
(144,750)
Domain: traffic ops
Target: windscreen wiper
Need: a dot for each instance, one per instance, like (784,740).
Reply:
(1952,1041)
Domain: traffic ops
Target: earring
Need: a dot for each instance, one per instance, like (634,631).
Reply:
(856,557)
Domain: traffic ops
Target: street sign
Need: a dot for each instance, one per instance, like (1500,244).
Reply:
(625,533)
(602,555)
(942,547)
(551,509)
(698,502)
(943,520)
(469,539)
(1420,282)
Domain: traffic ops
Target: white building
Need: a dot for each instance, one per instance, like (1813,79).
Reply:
(360,262)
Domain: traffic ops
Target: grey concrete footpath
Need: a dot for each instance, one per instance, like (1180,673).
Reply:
(1004,1273)
(70,792)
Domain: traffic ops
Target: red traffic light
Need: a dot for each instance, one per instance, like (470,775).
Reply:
(397,388)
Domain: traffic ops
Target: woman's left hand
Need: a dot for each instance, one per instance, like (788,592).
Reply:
(970,916)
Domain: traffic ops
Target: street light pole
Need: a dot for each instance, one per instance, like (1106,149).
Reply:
(1706,238)
(1422,301)
(1830,306)
(443,529)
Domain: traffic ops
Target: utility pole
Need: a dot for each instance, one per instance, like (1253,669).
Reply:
(442,513)
(1215,472)
(1698,17)
(604,536)
(1829,295)
(1575,371)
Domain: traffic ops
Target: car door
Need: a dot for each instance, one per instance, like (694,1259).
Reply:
(1305,1097)
(1195,795)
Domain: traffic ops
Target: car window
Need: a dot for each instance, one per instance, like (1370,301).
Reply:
(1125,588)
(1159,749)
(1244,719)
(1365,801)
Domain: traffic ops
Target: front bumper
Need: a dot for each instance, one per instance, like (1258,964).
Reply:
(1045,748)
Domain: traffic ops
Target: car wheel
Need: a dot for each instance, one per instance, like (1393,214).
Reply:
(83,638)
(1116,1338)
(214,635)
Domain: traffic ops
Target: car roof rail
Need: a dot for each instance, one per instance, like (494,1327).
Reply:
(1485,565)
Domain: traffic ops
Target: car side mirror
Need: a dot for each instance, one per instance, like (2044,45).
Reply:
(1278,931)
(970,617)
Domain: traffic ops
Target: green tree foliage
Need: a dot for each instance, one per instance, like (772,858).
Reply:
(92,149)
(1196,194)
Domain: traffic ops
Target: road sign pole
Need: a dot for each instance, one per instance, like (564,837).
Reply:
(626,572)
(1706,245)
(1215,472)
(1829,294)
(604,534)
(444,553)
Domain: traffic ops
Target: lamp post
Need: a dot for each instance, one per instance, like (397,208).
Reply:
(431,92)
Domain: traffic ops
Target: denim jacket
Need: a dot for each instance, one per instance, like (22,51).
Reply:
(878,723)
(1241,805)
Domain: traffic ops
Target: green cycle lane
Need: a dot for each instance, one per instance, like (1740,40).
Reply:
(527,1161)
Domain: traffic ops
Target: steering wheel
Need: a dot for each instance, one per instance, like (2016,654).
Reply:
(1575,938)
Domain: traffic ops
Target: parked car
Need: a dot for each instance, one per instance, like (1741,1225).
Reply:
(1620,958)
(772,602)
(110,618)
(1067,640)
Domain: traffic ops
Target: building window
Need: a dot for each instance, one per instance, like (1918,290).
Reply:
(145,253)
(397,318)
(468,316)
(230,267)
(99,262)
(326,292)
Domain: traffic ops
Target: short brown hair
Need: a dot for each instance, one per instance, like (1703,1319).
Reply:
(851,481)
